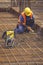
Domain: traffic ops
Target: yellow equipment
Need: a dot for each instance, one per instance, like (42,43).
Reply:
(9,37)
(10,34)
(27,11)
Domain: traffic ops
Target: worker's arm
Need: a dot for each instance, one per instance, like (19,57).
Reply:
(21,21)
(29,28)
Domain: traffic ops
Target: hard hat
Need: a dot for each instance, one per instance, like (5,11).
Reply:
(27,11)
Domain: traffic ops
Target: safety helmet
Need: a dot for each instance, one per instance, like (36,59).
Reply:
(27,11)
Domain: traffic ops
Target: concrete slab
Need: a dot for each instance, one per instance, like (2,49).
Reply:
(29,47)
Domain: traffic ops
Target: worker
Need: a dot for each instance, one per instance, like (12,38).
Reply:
(25,22)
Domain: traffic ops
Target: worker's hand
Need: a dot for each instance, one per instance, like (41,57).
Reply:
(24,24)
(32,31)
(29,28)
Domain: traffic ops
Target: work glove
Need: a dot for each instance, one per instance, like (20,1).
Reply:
(32,31)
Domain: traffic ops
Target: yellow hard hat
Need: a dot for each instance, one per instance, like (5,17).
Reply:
(27,11)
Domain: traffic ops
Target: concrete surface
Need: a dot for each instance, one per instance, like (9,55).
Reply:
(28,49)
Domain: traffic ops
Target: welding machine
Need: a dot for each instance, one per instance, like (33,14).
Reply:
(9,36)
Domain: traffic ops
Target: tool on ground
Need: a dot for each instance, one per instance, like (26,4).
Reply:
(9,36)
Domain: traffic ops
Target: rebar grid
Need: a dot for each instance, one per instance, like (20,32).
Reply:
(28,50)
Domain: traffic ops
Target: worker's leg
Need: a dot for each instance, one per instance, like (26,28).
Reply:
(19,29)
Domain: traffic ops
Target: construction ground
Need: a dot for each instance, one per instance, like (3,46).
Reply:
(29,47)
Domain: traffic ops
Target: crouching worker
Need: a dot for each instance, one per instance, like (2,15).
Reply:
(25,22)
(8,36)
